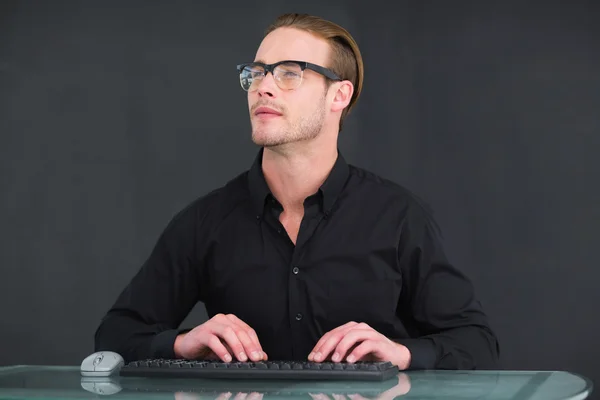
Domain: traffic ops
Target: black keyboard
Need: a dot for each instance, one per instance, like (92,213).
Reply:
(293,370)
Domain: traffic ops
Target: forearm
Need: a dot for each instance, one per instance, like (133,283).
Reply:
(133,339)
(462,348)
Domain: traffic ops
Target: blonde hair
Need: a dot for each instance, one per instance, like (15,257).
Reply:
(346,60)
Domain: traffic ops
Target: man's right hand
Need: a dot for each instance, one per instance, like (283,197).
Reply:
(223,336)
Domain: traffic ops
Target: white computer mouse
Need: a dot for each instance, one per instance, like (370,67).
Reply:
(102,363)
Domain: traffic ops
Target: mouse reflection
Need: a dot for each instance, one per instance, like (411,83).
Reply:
(400,389)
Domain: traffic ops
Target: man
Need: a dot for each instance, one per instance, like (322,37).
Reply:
(303,256)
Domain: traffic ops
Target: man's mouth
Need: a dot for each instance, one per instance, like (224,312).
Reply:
(266,112)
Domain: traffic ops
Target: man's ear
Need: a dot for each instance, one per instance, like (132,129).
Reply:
(342,95)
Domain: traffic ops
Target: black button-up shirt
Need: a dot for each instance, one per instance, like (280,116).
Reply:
(367,251)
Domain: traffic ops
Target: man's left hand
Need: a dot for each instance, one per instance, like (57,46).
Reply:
(353,342)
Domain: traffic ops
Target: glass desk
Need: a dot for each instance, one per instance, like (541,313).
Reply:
(53,382)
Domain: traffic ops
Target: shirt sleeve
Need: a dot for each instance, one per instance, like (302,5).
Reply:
(144,320)
(446,322)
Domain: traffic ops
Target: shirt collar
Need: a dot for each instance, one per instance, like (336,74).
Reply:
(330,190)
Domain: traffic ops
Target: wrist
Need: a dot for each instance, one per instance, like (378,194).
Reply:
(403,357)
(177,346)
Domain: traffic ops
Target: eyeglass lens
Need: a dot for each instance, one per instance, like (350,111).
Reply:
(286,75)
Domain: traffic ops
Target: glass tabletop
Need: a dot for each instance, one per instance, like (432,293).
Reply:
(55,382)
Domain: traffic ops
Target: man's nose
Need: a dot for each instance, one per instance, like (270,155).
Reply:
(267,85)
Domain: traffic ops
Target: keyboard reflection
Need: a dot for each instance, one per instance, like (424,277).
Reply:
(410,385)
(401,386)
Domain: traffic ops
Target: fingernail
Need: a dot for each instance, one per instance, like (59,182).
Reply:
(336,357)
(255,355)
(311,356)
(318,356)
(351,358)
(242,356)
(227,358)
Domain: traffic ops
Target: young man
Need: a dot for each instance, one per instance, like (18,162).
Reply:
(303,256)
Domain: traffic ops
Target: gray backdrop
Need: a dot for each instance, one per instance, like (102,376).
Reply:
(114,115)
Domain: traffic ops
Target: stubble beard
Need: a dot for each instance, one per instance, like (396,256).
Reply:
(306,128)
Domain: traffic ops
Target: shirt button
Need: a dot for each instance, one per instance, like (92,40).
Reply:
(295,270)
(298,317)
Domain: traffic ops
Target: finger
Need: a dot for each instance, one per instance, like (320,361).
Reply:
(402,388)
(323,352)
(317,350)
(332,342)
(250,332)
(352,338)
(255,396)
(231,335)
(224,396)
(319,396)
(324,338)
(241,396)
(214,343)
(357,397)
(211,356)
(228,334)
(250,347)
(186,396)
(366,347)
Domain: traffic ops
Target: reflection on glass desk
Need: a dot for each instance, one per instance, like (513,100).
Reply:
(53,382)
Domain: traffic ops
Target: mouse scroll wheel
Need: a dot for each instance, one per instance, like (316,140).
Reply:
(98,360)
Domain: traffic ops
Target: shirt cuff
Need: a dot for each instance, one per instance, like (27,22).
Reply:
(163,344)
(422,352)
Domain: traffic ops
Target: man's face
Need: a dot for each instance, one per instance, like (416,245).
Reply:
(302,110)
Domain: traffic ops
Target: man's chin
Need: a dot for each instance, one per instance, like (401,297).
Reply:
(266,141)
(268,144)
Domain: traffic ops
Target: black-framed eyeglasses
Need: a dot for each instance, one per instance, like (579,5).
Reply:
(287,73)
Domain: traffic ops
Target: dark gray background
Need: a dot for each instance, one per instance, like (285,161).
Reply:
(114,115)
